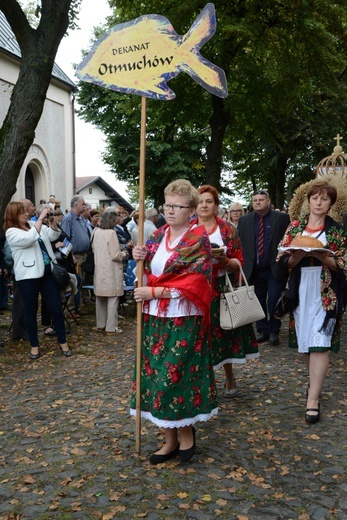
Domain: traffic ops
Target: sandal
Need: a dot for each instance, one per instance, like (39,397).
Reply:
(232,391)
(48,331)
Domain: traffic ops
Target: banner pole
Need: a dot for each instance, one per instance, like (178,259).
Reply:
(140,269)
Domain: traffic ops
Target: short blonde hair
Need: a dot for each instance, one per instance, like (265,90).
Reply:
(183,188)
(237,205)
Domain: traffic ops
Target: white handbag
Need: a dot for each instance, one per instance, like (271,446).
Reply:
(239,306)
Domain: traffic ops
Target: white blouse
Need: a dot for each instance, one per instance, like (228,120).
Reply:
(178,305)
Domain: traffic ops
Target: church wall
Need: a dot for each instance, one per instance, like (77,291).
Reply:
(51,156)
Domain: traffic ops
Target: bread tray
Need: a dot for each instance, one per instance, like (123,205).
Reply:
(307,249)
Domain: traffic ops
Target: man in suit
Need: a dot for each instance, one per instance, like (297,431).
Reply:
(161,218)
(260,233)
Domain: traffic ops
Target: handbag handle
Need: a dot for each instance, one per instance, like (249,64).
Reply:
(241,275)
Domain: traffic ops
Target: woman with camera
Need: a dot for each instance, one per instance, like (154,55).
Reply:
(32,253)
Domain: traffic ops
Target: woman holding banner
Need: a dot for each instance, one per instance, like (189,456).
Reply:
(177,381)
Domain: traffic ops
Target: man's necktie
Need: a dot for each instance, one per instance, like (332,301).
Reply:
(261,237)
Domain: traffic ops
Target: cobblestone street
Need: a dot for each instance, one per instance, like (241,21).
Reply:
(67,443)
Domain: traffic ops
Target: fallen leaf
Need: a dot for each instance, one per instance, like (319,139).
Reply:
(28,479)
(214,476)
(313,437)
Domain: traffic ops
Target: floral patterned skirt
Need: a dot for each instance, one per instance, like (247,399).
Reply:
(230,346)
(178,385)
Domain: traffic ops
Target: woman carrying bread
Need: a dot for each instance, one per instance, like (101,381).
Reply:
(316,285)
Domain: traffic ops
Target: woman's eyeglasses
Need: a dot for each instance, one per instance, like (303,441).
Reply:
(236,211)
(174,207)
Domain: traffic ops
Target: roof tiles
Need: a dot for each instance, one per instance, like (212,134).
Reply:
(9,45)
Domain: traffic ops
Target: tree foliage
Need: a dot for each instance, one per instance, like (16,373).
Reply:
(38,50)
(285,67)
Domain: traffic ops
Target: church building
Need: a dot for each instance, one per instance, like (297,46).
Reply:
(49,167)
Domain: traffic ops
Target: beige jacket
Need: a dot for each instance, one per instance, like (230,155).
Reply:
(108,258)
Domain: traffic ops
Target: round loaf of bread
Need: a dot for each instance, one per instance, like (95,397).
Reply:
(305,241)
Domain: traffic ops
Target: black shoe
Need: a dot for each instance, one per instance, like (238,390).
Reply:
(312,419)
(2,344)
(6,308)
(66,353)
(186,455)
(158,459)
(274,339)
(34,356)
(262,337)
(48,332)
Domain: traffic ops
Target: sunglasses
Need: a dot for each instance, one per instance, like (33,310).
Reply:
(261,192)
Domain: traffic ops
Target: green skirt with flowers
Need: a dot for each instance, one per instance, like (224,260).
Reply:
(178,386)
(230,346)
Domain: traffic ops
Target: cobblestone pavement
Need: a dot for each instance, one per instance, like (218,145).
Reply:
(67,443)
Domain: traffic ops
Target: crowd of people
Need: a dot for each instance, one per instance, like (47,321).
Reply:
(182,341)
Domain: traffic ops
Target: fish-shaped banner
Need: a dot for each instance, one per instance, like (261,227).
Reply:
(140,56)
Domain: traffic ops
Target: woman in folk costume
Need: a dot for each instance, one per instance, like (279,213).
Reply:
(316,287)
(177,380)
(228,346)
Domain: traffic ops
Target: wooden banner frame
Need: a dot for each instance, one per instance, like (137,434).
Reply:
(140,269)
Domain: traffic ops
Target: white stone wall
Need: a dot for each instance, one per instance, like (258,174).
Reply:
(51,156)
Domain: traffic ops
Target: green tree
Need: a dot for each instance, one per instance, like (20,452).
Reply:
(285,67)
(292,92)
(38,50)
(173,149)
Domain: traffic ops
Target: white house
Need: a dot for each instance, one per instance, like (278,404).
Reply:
(98,193)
